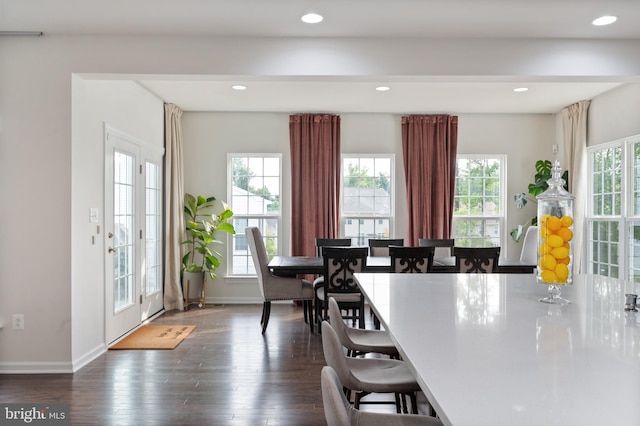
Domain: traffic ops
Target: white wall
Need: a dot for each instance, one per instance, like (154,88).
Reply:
(127,107)
(614,115)
(43,213)
(209,137)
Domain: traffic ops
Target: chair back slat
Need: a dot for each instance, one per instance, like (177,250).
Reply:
(443,246)
(380,247)
(476,259)
(340,263)
(321,243)
(411,259)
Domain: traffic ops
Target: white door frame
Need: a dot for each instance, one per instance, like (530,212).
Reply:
(120,321)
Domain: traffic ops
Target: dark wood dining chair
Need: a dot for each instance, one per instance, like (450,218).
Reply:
(340,263)
(380,247)
(476,259)
(331,242)
(411,259)
(443,246)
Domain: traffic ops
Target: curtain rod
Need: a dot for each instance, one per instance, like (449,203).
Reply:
(21,33)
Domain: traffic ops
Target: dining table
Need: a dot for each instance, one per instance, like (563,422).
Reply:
(486,351)
(293,265)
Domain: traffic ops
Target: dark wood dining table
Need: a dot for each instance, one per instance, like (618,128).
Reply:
(294,265)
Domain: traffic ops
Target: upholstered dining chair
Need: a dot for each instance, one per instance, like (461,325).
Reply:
(360,341)
(338,411)
(476,259)
(273,287)
(338,281)
(364,376)
(411,259)
(529,253)
(443,246)
(380,247)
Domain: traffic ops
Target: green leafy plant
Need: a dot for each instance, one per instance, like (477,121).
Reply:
(543,174)
(201,226)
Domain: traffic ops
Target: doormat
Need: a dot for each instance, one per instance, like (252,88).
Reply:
(155,337)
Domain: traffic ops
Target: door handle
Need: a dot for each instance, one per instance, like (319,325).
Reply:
(112,250)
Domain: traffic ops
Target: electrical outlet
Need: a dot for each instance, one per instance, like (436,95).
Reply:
(18,321)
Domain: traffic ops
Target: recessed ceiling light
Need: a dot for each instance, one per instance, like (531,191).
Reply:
(520,89)
(238,87)
(383,88)
(312,18)
(604,20)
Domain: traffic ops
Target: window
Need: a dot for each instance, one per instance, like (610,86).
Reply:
(367,202)
(255,201)
(478,215)
(613,214)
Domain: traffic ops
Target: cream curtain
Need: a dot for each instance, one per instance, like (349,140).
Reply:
(173,213)
(574,124)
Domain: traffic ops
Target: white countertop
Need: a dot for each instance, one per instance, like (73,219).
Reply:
(486,352)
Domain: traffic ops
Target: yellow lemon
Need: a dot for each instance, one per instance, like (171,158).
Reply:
(549,277)
(553,223)
(565,233)
(545,232)
(562,272)
(554,240)
(544,248)
(560,253)
(544,218)
(566,221)
(566,260)
(548,262)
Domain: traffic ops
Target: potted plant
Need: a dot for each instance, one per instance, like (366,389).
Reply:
(543,174)
(201,257)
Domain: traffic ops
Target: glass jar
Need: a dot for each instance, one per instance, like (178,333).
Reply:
(555,246)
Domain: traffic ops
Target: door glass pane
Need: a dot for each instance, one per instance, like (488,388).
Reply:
(123,214)
(153,232)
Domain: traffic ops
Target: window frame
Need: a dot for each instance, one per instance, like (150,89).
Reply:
(363,217)
(625,220)
(231,241)
(502,217)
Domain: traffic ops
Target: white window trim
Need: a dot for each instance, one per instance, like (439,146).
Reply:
(391,216)
(503,197)
(229,251)
(626,208)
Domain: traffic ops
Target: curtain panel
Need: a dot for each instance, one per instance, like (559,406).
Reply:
(574,124)
(315,180)
(429,147)
(173,209)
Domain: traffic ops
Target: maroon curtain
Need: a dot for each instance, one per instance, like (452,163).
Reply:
(429,146)
(315,180)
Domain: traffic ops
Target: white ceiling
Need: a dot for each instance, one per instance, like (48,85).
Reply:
(495,19)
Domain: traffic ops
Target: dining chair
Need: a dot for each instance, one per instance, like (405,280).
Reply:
(273,287)
(476,259)
(529,253)
(411,259)
(338,281)
(380,247)
(331,242)
(338,411)
(364,376)
(360,341)
(443,246)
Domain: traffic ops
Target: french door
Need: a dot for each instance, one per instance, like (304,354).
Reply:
(133,233)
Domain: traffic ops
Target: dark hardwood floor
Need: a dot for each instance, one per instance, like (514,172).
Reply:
(225,373)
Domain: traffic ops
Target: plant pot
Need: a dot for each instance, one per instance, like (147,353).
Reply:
(193,288)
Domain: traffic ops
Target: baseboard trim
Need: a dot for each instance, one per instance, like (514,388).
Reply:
(36,367)
(88,357)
